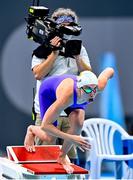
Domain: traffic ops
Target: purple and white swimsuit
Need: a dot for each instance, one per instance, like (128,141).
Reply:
(47,94)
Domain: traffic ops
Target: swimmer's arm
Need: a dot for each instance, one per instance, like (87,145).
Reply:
(103,78)
(52,114)
(64,94)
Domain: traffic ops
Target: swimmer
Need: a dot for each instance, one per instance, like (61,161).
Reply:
(70,93)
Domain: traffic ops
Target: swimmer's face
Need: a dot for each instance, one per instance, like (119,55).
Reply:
(91,90)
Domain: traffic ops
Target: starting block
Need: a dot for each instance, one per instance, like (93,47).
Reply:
(41,164)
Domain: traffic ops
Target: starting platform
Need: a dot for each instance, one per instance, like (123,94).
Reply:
(41,164)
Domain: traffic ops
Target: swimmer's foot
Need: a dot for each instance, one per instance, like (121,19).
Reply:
(65,163)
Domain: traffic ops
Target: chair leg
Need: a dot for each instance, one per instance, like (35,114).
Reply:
(95,169)
(118,169)
(99,164)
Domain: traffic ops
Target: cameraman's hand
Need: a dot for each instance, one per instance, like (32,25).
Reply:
(56,41)
(77,57)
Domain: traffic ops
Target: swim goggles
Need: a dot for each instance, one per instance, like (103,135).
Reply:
(88,90)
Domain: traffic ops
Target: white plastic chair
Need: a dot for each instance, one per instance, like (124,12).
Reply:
(102,132)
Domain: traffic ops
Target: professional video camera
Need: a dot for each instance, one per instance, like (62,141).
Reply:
(41,28)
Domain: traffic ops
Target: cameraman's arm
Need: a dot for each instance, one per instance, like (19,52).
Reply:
(42,69)
(83,61)
(82,66)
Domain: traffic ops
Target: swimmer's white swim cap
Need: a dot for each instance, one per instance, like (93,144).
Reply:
(87,78)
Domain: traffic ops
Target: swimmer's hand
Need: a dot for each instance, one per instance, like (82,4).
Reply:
(81,142)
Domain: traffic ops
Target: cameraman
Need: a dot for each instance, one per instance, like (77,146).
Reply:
(47,63)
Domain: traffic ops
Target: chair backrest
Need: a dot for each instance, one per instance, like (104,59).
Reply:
(102,131)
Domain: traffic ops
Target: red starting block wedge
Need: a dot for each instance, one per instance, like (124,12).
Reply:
(42,162)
